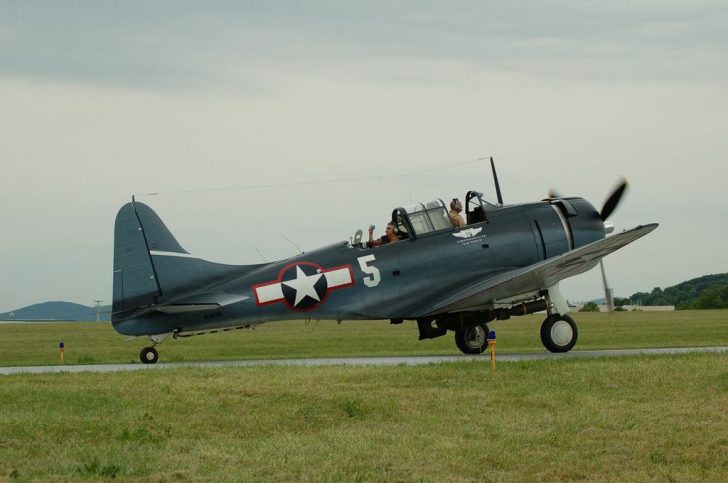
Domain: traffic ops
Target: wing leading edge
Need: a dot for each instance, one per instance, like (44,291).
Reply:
(539,275)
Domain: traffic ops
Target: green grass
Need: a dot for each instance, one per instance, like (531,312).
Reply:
(96,343)
(632,418)
(648,418)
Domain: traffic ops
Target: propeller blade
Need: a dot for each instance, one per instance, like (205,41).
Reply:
(611,204)
(553,194)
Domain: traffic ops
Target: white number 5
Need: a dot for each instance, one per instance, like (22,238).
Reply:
(372,278)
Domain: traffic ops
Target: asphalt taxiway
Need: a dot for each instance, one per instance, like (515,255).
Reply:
(355,361)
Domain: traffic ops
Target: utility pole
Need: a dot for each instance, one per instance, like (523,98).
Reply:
(98,310)
(608,294)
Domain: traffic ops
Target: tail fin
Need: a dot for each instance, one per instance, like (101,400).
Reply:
(135,281)
(151,267)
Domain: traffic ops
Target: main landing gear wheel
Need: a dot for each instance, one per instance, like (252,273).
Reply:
(472,340)
(149,355)
(559,333)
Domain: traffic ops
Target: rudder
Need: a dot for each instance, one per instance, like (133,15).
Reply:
(135,281)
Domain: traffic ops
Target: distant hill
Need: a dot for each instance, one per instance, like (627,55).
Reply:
(706,292)
(61,311)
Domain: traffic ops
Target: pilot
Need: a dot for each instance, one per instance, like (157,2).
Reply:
(390,236)
(455,208)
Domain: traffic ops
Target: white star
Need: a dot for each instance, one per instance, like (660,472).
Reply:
(304,285)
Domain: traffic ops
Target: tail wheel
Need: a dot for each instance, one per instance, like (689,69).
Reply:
(472,340)
(149,355)
(559,333)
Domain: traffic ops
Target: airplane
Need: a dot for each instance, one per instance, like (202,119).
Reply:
(506,261)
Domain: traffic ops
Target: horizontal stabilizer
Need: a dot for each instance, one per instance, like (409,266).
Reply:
(200,303)
(181,308)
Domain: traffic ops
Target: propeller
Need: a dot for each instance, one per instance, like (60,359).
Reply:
(553,194)
(611,204)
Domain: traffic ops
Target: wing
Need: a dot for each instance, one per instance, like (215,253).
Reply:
(540,275)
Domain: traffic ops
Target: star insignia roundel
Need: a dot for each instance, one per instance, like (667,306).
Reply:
(303,286)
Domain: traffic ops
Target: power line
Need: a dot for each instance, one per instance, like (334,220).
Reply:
(311,183)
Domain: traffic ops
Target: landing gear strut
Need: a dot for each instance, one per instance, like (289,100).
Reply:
(472,339)
(558,332)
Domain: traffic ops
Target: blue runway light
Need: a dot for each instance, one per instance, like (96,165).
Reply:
(491,345)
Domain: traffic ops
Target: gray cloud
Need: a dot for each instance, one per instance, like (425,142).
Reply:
(102,100)
(200,45)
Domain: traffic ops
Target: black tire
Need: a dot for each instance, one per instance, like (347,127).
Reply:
(559,333)
(149,355)
(472,340)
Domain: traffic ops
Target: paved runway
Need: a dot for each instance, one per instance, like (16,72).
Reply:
(354,361)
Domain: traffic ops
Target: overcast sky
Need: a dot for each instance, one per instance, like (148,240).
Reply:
(197,100)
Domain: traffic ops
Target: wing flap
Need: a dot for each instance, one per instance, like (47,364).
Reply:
(200,302)
(539,275)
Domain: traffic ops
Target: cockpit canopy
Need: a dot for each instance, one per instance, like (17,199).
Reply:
(421,218)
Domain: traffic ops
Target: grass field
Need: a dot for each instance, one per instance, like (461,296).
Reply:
(659,418)
(646,418)
(95,343)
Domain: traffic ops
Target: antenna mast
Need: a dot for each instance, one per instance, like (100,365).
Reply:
(495,180)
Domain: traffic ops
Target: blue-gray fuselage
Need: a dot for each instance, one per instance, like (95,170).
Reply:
(400,280)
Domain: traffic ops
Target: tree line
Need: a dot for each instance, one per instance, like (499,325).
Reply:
(706,292)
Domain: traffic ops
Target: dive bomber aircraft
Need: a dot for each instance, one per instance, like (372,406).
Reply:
(508,260)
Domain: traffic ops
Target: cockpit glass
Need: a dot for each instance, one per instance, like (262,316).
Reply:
(414,208)
(432,204)
(421,223)
(440,219)
(428,217)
